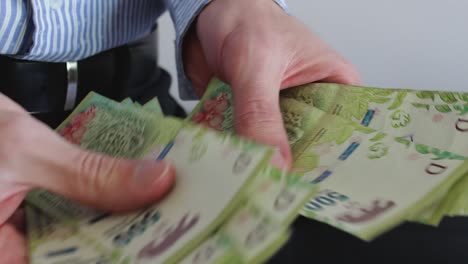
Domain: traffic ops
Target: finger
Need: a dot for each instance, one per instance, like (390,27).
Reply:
(6,104)
(344,73)
(332,69)
(10,205)
(195,64)
(91,178)
(12,246)
(279,161)
(258,117)
(17,220)
(256,107)
(110,183)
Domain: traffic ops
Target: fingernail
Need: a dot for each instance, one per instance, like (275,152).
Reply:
(278,160)
(150,173)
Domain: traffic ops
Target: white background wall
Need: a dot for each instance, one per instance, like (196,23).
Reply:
(420,44)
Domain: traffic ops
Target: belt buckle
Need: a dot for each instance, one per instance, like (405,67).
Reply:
(72,85)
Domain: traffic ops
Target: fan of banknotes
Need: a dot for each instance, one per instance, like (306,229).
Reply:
(365,160)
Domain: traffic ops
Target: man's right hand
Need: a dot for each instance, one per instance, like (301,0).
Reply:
(33,156)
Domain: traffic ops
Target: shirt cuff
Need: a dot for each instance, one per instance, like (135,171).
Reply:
(183,13)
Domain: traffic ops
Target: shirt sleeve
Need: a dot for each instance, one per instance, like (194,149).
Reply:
(183,13)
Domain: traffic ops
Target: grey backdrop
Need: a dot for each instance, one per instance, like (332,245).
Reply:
(420,44)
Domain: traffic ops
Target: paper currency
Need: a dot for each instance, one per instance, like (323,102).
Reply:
(453,203)
(255,236)
(215,109)
(218,249)
(280,195)
(260,227)
(127,101)
(170,229)
(364,162)
(325,143)
(249,236)
(369,195)
(188,213)
(154,107)
(402,113)
(104,126)
(52,242)
(362,191)
(408,114)
(456,202)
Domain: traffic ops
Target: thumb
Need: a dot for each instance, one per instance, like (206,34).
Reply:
(257,114)
(98,180)
(12,245)
(118,184)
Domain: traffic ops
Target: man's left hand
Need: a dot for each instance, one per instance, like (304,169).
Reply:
(258,49)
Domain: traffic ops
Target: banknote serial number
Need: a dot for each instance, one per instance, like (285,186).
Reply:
(136,228)
(324,200)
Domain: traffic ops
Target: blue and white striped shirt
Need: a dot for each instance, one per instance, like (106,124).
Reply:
(71,30)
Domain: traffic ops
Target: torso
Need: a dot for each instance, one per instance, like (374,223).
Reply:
(69,30)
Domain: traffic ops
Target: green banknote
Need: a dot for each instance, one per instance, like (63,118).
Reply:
(453,203)
(105,126)
(324,143)
(171,124)
(127,102)
(280,195)
(379,186)
(352,164)
(456,202)
(217,249)
(249,236)
(52,242)
(215,109)
(255,236)
(443,112)
(260,227)
(168,230)
(402,113)
(154,106)
(367,171)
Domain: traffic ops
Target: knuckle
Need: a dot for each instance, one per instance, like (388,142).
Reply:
(340,70)
(7,104)
(94,174)
(346,70)
(255,113)
(11,123)
(15,130)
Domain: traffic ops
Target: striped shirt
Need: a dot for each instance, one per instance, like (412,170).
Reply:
(71,30)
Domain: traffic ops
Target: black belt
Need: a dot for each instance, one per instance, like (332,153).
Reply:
(53,87)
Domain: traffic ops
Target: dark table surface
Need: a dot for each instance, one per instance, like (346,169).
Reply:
(315,242)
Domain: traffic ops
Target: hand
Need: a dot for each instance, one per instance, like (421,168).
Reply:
(33,156)
(259,49)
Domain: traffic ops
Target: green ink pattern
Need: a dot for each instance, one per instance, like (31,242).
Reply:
(400,119)
(377,150)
